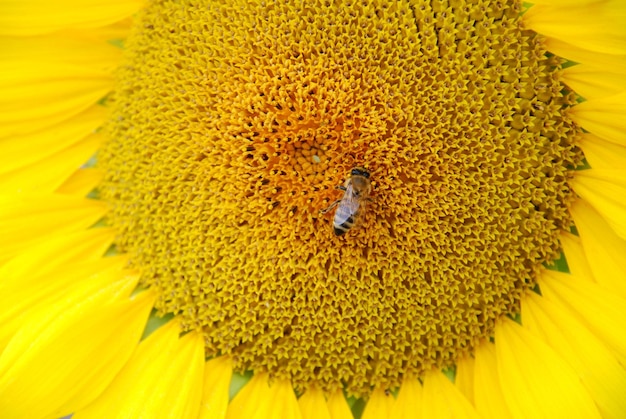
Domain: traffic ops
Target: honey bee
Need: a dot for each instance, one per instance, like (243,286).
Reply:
(352,204)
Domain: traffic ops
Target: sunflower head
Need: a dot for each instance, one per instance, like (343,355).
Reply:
(221,157)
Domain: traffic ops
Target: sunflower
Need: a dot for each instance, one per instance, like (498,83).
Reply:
(165,167)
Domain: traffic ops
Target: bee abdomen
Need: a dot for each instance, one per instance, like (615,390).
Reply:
(341,229)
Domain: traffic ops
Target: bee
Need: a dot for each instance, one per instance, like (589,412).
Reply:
(352,204)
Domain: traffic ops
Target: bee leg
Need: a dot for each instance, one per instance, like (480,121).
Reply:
(333,205)
(343,188)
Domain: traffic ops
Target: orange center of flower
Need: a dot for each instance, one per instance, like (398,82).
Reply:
(233,123)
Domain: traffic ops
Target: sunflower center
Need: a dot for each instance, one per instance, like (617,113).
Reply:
(233,123)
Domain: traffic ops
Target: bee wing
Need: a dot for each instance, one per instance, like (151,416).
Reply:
(348,207)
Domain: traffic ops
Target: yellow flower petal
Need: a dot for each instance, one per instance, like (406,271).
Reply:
(81,182)
(217,375)
(604,117)
(32,17)
(564,2)
(379,405)
(47,175)
(489,400)
(535,381)
(65,354)
(313,405)
(585,56)
(21,295)
(575,256)
(409,401)
(441,399)
(26,220)
(82,48)
(258,399)
(597,368)
(338,406)
(464,379)
(593,82)
(605,190)
(604,249)
(602,154)
(250,398)
(28,277)
(26,149)
(58,250)
(601,310)
(163,379)
(36,96)
(117,31)
(598,26)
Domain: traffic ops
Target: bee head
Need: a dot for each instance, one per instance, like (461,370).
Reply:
(359,171)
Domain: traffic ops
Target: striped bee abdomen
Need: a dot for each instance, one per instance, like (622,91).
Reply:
(344,220)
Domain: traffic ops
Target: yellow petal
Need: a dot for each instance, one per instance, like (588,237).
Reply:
(313,405)
(163,379)
(65,354)
(58,250)
(30,278)
(604,117)
(81,182)
(575,256)
(464,379)
(441,399)
(603,248)
(585,56)
(564,2)
(21,295)
(338,406)
(535,381)
(598,26)
(26,149)
(409,401)
(285,405)
(118,30)
(379,405)
(27,220)
(597,368)
(602,154)
(250,399)
(35,96)
(32,17)
(600,310)
(47,175)
(257,399)
(217,374)
(82,48)
(593,82)
(489,400)
(605,190)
